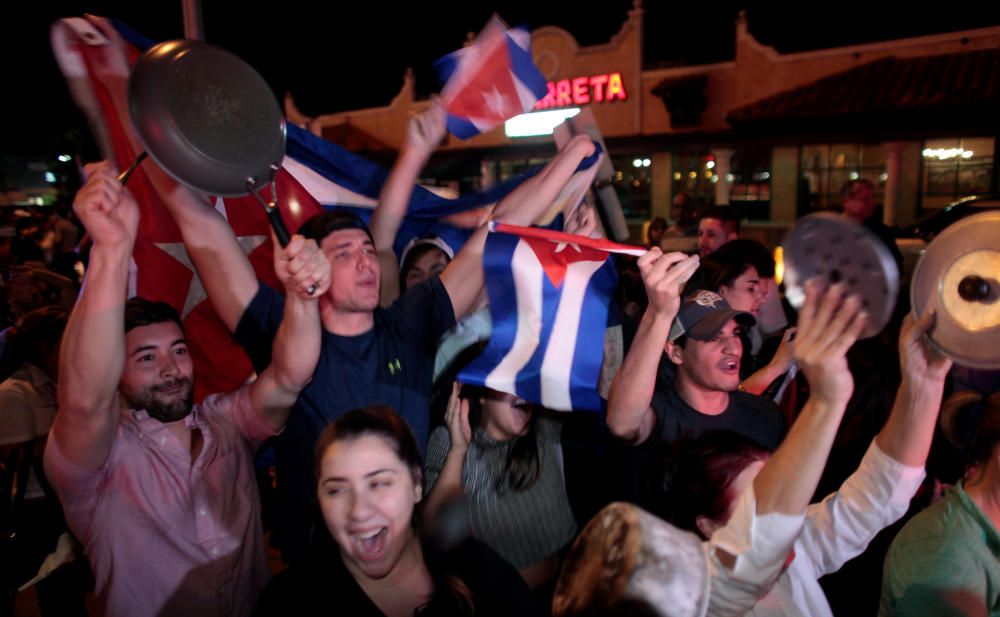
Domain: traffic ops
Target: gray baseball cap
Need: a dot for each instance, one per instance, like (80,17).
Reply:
(703,314)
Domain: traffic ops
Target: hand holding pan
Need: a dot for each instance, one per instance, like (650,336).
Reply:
(958,277)
(209,120)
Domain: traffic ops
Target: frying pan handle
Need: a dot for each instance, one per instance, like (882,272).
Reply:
(274,215)
(281,232)
(278,225)
(124,176)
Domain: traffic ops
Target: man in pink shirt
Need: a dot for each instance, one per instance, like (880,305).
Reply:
(161,492)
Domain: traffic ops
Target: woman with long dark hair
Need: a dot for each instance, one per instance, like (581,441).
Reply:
(507,461)
(369,485)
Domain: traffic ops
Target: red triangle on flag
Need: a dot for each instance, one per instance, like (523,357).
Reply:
(555,257)
(490,93)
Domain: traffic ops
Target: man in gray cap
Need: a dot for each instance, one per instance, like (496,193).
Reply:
(701,337)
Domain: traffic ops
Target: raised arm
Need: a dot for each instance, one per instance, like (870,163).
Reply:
(748,552)
(423,134)
(828,325)
(296,347)
(92,355)
(630,416)
(448,478)
(907,435)
(778,366)
(463,278)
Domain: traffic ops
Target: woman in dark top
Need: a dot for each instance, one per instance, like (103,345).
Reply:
(368,485)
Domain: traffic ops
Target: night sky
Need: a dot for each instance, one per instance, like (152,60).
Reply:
(334,56)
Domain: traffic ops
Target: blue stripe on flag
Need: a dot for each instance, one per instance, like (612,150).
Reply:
(590,339)
(462,128)
(133,38)
(445,66)
(334,163)
(499,277)
(524,69)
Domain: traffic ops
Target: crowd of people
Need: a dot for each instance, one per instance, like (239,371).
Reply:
(772,443)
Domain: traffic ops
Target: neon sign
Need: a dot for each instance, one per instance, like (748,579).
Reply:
(584,90)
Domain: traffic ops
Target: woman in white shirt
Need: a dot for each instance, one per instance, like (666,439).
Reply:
(705,478)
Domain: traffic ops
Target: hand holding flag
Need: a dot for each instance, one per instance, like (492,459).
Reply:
(549,293)
(664,275)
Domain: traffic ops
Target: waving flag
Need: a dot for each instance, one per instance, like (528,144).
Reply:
(341,179)
(549,294)
(315,174)
(490,81)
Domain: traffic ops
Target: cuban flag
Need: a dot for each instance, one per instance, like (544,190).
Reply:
(490,81)
(549,293)
(337,178)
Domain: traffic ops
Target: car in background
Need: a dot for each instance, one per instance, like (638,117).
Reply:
(913,240)
(931,225)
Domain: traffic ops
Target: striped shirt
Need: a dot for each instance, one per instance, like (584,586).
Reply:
(524,526)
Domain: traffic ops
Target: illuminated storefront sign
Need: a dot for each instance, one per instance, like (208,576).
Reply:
(583,91)
(537,123)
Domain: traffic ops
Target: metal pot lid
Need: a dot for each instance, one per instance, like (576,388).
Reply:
(836,249)
(958,276)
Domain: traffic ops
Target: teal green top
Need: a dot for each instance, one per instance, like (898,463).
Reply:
(944,562)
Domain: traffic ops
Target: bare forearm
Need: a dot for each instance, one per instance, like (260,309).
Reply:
(531,198)
(222,266)
(463,278)
(388,217)
(295,353)
(907,435)
(759,381)
(788,480)
(395,198)
(92,354)
(632,388)
(91,361)
(448,483)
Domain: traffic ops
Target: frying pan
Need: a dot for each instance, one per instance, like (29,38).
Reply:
(210,121)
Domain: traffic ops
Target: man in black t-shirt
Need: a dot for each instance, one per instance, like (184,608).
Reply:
(703,342)
(706,346)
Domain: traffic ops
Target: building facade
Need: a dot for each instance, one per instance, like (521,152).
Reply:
(774,134)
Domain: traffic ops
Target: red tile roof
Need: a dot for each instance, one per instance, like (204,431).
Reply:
(949,82)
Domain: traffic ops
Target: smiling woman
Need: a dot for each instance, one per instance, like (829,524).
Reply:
(369,485)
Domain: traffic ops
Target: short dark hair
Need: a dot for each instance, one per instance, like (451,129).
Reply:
(847,190)
(143,312)
(726,214)
(692,477)
(729,262)
(985,432)
(415,253)
(322,225)
(522,465)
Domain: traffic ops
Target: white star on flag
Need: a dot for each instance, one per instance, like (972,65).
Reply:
(560,246)
(494,101)
(196,291)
